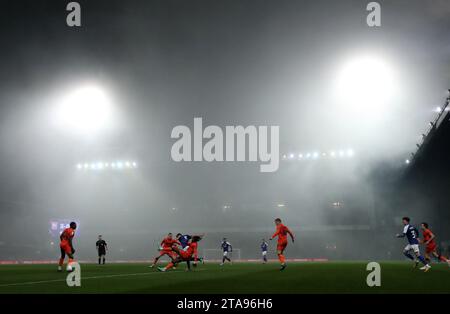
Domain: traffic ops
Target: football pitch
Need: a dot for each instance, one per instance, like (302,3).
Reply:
(249,278)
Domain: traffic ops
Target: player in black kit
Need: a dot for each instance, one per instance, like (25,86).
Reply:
(102,247)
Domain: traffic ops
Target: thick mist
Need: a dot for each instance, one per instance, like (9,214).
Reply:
(163,63)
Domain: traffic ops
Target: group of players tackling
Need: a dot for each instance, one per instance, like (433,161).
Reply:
(184,248)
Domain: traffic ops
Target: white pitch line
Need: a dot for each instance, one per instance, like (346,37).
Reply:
(85,278)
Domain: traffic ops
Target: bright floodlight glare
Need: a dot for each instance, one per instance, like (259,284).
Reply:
(291,156)
(407,161)
(85,110)
(366,84)
(350,152)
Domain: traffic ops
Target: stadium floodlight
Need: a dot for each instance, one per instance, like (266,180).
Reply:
(438,109)
(84,110)
(291,156)
(333,154)
(350,153)
(134,164)
(365,84)
(300,156)
(79,166)
(407,161)
(315,155)
(284,156)
(119,165)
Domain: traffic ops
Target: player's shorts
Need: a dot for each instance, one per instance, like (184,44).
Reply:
(281,246)
(412,247)
(101,252)
(66,248)
(185,255)
(166,252)
(264,253)
(430,248)
(225,253)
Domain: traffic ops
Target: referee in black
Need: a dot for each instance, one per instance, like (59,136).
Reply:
(102,247)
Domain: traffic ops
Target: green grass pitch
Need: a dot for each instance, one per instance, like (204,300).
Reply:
(321,277)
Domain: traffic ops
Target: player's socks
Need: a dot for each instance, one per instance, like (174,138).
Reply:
(282,258)
(408,255)
(443,259)
(283,267)
(104,260)
(420,257)
(61,262)
(169,266)
(99,259)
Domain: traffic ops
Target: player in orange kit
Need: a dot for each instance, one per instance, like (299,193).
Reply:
(66,245)
(281,233)
(188,254)
(431,247)
(166,248)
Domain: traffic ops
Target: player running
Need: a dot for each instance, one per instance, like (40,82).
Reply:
(430,244)
(226,248)
(264,247)
(66,246)
(412,235)
(102,247)
(186,255)
(166,248)
(281,233)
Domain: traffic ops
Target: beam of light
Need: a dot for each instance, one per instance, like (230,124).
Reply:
(85,110)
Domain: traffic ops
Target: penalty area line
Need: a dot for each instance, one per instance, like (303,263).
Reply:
(91,277)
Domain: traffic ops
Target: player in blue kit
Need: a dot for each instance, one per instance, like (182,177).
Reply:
(264,247)
(412,235)
(226,248)
(183,239)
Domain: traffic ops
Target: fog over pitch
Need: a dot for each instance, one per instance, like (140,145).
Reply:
(292,64)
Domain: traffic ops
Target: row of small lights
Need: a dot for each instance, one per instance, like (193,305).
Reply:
(437,110)
(317,155)
(106,165)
